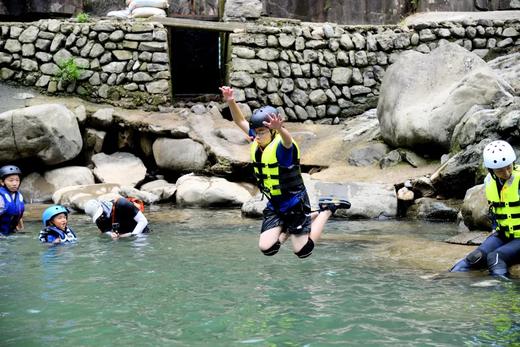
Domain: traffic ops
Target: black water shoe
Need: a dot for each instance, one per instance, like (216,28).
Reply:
(332,204)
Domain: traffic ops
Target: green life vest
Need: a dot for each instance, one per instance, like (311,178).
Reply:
(506,205)
(273,179)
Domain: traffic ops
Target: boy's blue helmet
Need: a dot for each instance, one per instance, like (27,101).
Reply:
(260,115)
(8,170)
(52,211)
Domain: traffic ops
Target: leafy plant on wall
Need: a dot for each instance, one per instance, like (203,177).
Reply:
(69,71)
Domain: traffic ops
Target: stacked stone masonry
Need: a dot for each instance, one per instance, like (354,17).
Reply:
(325,71)
(120,62)
(316,71)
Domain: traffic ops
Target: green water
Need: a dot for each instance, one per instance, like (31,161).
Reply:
(198,280)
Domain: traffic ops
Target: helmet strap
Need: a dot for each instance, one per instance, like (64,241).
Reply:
(498,181)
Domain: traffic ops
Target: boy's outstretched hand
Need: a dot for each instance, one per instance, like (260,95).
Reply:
(275,121)
(227,93)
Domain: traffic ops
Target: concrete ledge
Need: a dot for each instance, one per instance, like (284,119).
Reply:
(460,16)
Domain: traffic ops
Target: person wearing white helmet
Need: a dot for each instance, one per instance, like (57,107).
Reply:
(117,218)
(502,248)
(276,164)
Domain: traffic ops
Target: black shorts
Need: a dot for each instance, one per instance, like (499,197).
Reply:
(296,221)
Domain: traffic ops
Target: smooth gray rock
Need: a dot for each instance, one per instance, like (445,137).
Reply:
(449,81)
(49,132)
(179,154)
(209,191)
(121,168)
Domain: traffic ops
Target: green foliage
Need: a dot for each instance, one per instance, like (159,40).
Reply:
(82,17)
(414,4)
(69,71)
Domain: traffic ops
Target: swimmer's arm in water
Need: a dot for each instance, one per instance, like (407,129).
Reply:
(142,222)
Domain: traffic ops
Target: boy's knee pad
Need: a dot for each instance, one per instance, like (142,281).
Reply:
(273,249)
(475,257)
(306,250)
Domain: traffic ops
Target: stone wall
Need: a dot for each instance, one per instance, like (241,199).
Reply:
(325,71)
(124,63)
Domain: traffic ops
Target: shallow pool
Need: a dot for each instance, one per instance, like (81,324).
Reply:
(198,280)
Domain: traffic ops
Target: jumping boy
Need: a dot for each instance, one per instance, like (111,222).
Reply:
(276,161)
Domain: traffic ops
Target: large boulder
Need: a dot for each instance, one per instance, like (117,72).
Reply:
(40,188)
(475,209)
(163,189)
(69,176)
(254,207)
(146,197)
(210,191)
(122,168)
(434,210)
(36,189)
(367,154)
(76,196)
(369,200)
(424,96)
(508,67)
(179,154)
(223,141)
(461,172)
(48,132)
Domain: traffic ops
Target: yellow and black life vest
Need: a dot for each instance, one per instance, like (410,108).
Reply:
(505,205)
(273,179)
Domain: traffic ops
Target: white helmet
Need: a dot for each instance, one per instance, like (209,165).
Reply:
(498,154)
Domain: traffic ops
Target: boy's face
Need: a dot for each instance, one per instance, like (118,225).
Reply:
(12,183)
(263,136)
(60,221)
(504,173)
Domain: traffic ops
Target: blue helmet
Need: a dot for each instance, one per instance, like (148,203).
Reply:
(8,170)
(260,115)
(52,211)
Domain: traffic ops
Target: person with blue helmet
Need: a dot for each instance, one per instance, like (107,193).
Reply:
(11,201)
(501,249)
(55,226)
(276,164)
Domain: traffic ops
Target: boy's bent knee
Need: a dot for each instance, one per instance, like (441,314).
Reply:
(272,250)
(497,265)
(306,249)
(475,257)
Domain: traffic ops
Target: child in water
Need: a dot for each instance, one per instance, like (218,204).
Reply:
(11,200)
(55,226)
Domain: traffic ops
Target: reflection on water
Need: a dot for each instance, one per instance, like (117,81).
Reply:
(198,280)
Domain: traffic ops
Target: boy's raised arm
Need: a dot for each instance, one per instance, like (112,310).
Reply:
(236,113)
